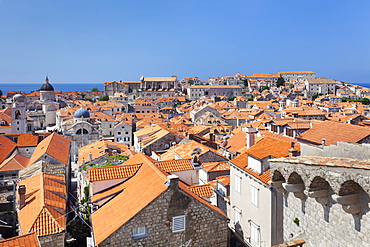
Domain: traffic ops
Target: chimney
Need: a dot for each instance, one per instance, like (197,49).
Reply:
(323,140)
(293,152)
(251,134)
(22,196)
(172,181)
(90,157)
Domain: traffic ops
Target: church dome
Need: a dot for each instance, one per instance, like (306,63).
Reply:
(82,113)
(47,86)
(19,97)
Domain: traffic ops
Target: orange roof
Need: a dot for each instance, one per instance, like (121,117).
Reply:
(14,163)
(174,165)
(241,161)
(333,132)
(225,180)
(216,166)
(55,145)
(26,240)
(204,190)
(27,140)
(112,172)
(6,147)
(44,211)
(272,147)
(98,149)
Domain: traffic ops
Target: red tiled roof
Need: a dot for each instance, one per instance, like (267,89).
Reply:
(241,161)
(14,163)
(112,172)
(6,147)
(204,190)
(55,145)
(44,211)
(225,180)
(26,240)
(175,165)
(216,166)
(333,132)
(27,140)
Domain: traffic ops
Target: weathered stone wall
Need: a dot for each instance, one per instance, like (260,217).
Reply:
(204,226)
(342,149)
(321,225)
(56,240)
(324,222)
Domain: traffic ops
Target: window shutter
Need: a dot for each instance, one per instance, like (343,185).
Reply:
(178,223)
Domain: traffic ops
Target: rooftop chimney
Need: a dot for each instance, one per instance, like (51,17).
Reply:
(251,134)
(22,196)
(172,181)
(90,157)
(323,140)
(293,152)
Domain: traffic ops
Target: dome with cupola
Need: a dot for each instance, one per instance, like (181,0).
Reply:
(82,113)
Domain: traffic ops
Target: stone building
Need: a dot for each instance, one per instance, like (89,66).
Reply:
(158,87)
(153,209)
(326,200)
(198,91)
(296,75)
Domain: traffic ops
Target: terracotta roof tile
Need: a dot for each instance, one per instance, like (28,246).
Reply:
(216,166)
(333,132)
(14,163)
(55,145)
(272,146)
(100,148)
(6,147)
(44,211)
(26,240)
(112,172)
(204,190)
(225,180)
(27,140)
(174,165)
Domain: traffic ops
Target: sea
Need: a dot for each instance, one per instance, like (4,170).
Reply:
(64,87)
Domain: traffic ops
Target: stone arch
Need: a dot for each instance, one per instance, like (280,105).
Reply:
(277,176)
(295,178)
(318,183)
(349,187)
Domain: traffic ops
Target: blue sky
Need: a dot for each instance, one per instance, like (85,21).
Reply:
(97,41)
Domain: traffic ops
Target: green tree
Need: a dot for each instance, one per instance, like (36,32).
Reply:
(265,87)
(1,92)
(280,82)
(191,82)
(231,98)
(95,89)
(104,98)
(117,157)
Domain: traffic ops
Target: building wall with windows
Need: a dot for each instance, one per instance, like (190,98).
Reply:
(174,218)
(253,218)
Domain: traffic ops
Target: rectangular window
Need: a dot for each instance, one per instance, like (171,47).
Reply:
(237,183)
(139,232)
(254,195)
(237,215)
(255,233)
(118,133)
(178,223)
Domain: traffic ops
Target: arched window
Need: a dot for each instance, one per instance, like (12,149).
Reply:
(82,131)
